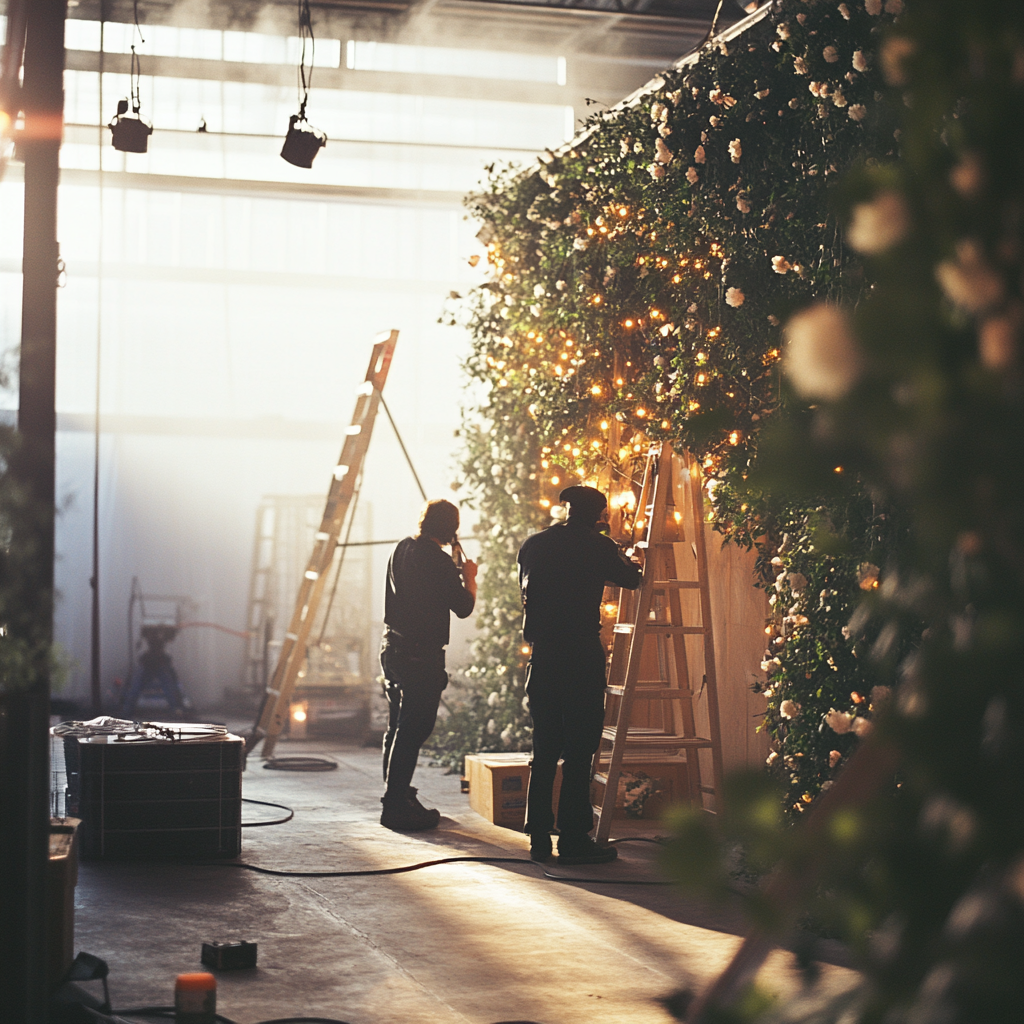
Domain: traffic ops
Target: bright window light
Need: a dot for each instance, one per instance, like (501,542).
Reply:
(198,44)
(444,60)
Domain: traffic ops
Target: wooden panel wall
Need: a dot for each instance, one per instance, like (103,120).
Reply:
(739,611)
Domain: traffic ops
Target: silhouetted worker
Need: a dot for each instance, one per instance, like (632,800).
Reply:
(423,586)
(562,574)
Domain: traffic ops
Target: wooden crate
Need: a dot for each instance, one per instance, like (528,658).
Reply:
(671,783)
(497,787)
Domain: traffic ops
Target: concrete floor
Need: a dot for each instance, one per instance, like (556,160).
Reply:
(453,943)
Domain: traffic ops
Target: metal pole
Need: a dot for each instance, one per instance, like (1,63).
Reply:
(24,803)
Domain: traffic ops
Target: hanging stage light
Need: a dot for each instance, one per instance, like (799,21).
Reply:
(303,141)
(129,134)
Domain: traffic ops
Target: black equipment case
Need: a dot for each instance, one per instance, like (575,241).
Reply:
(155,799)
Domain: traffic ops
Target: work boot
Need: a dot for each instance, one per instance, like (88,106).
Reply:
(402,815)
(581,849)
(540,847)
(414,800)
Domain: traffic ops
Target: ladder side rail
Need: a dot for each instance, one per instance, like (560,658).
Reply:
(710,670)
(293,650)
(636,643)
(683,718)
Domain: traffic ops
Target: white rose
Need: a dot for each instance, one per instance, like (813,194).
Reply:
(656,171)
(782,30)
(969,281)
(742,204)
(873,7)
(506,737)
(800,65)
(860,727)
(734,296)
(822,358)
(692,176)
(492,727)
(831,54)
(560,286)
(657,109)
(790,709)
(699,155)
(844,11)
(538,291)
(781,265)
(735,150)
(838,98)
(860,62)
(580,244)
(493,700)
(879,224)
(661,152)
(839,721)
(858,112)
(772,758)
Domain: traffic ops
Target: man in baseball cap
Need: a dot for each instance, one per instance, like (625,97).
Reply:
(563,571)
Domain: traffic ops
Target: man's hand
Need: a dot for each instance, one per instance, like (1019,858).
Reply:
(469,570)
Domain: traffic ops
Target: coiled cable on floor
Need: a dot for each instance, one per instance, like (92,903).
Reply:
(305,763)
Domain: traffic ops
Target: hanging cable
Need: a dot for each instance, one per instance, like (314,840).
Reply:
(341,559)
(303,141)
(401,444)
(305,35)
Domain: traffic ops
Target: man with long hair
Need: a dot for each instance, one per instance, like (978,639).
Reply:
(423,587)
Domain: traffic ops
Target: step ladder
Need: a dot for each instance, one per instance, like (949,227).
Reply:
(277,698)
(655,719)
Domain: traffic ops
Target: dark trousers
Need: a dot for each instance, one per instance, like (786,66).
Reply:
(414,680)
(565,689)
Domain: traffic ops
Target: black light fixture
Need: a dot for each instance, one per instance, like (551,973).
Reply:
(128,132)
(303,141)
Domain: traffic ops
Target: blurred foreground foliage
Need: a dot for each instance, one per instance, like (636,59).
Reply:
(922,872)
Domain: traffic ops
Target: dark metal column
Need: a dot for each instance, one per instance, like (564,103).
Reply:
(24,701)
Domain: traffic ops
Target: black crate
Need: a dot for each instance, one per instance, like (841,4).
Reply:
(154,799)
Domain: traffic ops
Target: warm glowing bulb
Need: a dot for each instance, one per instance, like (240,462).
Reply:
(628,323)
(619,381)
(678,516)
(544,503)
(298,715)
(609,608)
(623,211)
(596,389)
(555,481)
(525,649)
(641,412)
(604,424)
(838,469)
(734,437)
(665,424)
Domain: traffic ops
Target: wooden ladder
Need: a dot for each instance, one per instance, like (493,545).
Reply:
(276,699)
(657,611)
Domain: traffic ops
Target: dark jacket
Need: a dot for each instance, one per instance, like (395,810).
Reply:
(423,585)
(562,574)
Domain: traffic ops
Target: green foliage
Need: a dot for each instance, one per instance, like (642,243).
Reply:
(26,653)
(639,283)
(926,884)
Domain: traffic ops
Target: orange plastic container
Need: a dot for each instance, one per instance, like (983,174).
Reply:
(195,999)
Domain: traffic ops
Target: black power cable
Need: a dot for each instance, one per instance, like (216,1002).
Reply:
(267,803)
(300,764)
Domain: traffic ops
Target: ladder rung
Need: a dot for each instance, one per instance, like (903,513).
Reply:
(710,790)
(650,692)
(622,627)
(647,740)
(681,584)
(601,778)
(669,628)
